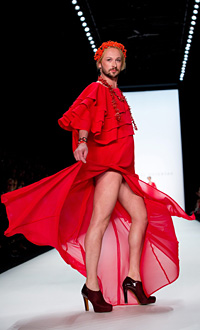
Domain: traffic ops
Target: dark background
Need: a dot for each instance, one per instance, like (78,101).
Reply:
(47,61)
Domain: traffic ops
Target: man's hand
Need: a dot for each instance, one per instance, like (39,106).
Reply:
(81,152)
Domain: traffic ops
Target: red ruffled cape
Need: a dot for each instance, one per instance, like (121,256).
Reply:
(56,211)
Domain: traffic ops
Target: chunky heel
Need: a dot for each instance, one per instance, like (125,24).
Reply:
(86,303)
(96,299)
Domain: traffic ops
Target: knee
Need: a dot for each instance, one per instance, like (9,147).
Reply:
(99,222)
(141,221)
(145,221)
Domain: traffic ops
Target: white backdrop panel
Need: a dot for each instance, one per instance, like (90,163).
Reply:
(158,151)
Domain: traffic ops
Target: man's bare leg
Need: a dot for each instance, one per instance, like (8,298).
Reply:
(105,197)
(136,208)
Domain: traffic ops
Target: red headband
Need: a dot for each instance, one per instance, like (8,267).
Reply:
(108,44)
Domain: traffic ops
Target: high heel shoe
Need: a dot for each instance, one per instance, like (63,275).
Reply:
(97,300)
(136,288)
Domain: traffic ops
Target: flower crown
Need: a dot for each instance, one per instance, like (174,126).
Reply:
(108,44)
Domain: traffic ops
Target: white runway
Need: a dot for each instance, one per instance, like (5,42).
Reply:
(44,293)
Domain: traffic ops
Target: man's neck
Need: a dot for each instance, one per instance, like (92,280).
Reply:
(111,81)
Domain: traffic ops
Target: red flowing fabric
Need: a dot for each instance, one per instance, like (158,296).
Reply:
(56,211)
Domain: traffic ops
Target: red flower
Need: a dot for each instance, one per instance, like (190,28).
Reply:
(108,44)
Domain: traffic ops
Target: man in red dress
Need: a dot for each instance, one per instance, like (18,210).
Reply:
(110,187)
(105,222)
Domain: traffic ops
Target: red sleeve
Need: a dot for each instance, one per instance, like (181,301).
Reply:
(79,115)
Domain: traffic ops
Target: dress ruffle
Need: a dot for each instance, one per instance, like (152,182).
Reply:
(93,111)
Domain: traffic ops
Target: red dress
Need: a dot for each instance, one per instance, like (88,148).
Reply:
(56,211)
(152,184)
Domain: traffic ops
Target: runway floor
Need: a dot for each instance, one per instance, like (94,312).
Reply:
(44,293)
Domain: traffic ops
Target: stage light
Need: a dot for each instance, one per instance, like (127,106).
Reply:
(84,24)
(189,39)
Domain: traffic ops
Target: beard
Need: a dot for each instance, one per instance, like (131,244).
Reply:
(109,74)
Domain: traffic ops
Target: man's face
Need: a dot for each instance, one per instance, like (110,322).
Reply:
(111,63)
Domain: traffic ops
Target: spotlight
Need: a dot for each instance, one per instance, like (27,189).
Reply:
(189,39)
(84,25)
